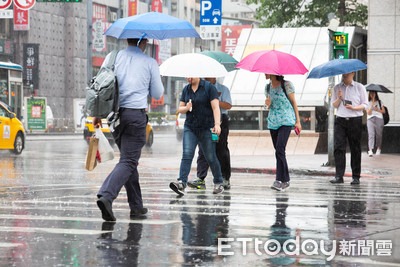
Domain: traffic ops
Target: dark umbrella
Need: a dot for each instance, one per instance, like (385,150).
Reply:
(225,59)
(377,88)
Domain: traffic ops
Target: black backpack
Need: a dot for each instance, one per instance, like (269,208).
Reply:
(386,117)
(102,97)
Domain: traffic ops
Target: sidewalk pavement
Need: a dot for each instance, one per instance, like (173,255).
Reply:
(248,160)
(382,166)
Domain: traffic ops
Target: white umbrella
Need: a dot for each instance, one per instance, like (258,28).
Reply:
(192,65)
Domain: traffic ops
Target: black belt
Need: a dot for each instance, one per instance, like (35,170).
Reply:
(349,118)
(138,109)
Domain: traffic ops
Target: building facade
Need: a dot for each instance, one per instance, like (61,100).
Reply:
(384,63)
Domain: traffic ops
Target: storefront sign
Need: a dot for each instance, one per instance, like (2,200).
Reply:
(21,19)
(35,113)
(6,47)
(31,65)
(132,8)
(230,36)
(99,26)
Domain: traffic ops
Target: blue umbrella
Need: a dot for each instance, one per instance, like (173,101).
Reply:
(336,67)
(151,25)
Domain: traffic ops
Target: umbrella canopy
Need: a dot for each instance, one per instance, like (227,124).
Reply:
(151,25)
(336,67)
(377,88)
(192,65)
(225,59)
(272,62)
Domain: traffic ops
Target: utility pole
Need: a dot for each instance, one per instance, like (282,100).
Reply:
(89,70)
(333,24)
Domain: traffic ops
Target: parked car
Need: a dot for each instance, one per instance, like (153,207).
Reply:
(12,133)
(89,130)
(180,123)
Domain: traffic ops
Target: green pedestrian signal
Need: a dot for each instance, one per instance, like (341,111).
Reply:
(340,45)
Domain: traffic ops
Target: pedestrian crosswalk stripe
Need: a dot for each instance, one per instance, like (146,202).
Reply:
(51,230)
(83,219)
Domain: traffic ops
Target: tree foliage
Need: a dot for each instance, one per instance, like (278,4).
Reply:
(308,13)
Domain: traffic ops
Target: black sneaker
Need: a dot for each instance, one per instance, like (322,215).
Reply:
(227,184)
(106,209)
(177,187)
(138,213)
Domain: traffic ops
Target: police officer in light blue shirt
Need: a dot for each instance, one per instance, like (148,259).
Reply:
(138,76)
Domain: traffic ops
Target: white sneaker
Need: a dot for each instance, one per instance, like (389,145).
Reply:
(378,152)
(370,153)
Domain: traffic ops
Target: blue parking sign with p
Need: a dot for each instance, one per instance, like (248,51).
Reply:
(210,12)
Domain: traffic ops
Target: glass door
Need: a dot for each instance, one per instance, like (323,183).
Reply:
(16,98)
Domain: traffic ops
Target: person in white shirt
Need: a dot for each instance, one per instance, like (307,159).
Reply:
(375,122)
(350,100)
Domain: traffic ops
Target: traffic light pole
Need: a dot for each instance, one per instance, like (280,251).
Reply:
(331,117)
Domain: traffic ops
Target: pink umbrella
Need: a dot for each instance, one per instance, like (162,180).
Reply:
(272,62)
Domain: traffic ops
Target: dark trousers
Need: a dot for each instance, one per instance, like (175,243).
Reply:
(279,139)
(223,154)
(348,129)
(130,136)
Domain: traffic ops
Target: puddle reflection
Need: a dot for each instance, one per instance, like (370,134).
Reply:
(281,233)
(114,250)
(204,230)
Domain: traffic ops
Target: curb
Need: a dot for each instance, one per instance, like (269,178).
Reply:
(296,172)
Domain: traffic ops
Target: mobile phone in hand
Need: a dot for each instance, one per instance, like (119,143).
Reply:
(296,130)
(347,102)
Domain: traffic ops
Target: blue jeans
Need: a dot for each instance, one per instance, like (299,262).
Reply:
(279,139)
(190,140)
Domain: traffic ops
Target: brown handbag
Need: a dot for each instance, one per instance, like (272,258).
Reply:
(91,161)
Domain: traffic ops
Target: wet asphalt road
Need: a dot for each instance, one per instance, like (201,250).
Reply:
(49,217)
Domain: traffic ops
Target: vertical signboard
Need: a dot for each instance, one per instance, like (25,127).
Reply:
(6,47)
(99,26)
(230,36)
(210,19)
(35,113)
(132,7)
(156,5)
(79,113)
(21,19)
(31,65)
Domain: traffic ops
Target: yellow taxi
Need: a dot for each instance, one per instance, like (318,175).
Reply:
(89,130)
(12,133)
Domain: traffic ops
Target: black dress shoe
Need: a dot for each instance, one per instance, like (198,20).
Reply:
(136,213)
(106,209)
(337,180)
(355,181)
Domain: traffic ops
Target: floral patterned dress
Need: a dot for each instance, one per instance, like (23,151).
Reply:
(281,112)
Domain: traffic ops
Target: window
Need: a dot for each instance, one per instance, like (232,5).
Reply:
(243,120)
(3,112)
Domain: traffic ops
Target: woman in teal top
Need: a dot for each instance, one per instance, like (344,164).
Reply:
(283,115)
